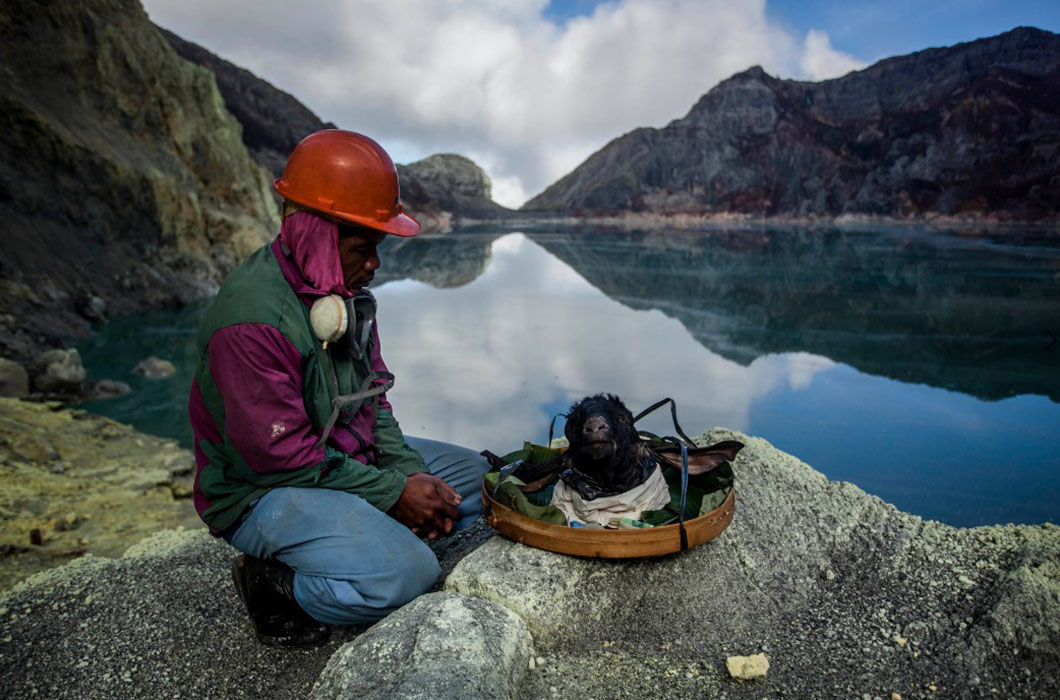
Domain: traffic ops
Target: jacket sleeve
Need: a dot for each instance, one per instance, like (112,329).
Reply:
(258,373)
(392,452)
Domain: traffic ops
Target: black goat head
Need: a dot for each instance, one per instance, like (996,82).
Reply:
(604,456)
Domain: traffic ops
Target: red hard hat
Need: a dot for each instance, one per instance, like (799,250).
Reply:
(348,176)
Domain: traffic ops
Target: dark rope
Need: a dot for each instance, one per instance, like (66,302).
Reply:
(687,442)
(673,415)
(684,496)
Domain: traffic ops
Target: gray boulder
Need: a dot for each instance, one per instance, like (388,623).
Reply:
(92,308)
(442,645)
(108,389)
(845,594)
(59,372)
(14,379)
(154,368)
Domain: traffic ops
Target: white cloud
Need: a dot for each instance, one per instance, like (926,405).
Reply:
(493,79)
(820,61)
(802,367)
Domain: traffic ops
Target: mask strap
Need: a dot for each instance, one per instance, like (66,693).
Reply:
(365,391)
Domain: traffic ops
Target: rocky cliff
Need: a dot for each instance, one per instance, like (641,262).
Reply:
(124,182)
(967,131)
(440,190)
(273,121)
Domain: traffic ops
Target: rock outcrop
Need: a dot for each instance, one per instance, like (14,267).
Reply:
(845,596)
(73,483)
(162,620)
(441,645)
(59,372)
(445,189)
(14,379)
(969,131)
(124,182)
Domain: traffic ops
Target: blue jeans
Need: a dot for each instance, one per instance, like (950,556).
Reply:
(353,563)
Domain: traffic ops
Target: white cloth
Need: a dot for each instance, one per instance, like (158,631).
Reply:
(606,510)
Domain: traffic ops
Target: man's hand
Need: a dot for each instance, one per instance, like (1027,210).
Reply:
(427,506)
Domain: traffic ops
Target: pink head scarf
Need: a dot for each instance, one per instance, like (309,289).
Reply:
(314,245)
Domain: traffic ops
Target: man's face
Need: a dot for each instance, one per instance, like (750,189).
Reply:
(357,252)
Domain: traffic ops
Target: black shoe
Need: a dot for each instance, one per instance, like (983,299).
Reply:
(267,589)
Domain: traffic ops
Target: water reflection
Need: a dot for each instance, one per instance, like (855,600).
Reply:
(842,348)
(960,312)
(490,362)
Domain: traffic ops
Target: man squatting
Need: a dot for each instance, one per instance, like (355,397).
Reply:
(301,464)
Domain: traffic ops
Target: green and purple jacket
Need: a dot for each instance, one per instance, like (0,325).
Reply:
(262,395)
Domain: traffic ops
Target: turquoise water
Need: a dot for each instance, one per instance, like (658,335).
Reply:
(916,365)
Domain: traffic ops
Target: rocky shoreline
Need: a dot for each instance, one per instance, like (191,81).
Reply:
(661,222)
(844,595)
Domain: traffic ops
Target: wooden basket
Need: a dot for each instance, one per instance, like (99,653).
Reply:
(606,544)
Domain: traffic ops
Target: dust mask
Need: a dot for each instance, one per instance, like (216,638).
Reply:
(361,312)
(334,318)
(329,318)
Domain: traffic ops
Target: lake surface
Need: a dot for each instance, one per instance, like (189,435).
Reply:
(915,364)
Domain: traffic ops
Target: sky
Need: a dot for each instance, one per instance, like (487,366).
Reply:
(529,89)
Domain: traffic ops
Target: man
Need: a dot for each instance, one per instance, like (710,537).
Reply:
(301,463)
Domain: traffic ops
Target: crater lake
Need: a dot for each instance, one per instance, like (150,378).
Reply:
(917,363)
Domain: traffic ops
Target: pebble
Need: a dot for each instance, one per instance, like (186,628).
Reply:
(747,667)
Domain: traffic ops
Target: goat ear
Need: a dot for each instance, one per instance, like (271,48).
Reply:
(702,459)
(572,419)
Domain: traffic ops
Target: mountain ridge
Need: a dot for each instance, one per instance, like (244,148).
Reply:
(969,131)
